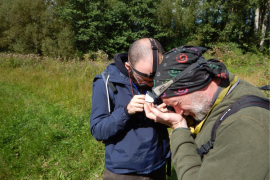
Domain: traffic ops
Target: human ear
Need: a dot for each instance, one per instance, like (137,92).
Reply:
(127,66)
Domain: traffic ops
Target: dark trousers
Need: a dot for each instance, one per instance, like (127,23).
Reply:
(159,174)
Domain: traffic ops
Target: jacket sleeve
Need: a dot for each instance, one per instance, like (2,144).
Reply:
(241,151)
(103,124)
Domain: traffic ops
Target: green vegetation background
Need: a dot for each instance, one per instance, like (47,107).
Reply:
(72,28)
(52,49)
(45,107)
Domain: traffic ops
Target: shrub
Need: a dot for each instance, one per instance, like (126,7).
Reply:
(232,55)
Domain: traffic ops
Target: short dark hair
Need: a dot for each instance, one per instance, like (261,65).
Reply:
(139,50)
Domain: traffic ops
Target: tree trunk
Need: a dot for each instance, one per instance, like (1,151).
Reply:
(257,18)
(264,27)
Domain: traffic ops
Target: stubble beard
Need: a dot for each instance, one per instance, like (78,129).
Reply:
(200,106)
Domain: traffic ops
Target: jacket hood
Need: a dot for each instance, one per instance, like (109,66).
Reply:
(117,70)
(120,60)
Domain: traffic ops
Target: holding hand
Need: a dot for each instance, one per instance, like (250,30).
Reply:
(136,104)
(168,118)
(162,107)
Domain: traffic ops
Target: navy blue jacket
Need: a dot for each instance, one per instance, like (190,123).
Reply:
(133,143)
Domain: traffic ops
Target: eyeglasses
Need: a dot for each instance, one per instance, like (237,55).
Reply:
(139,79)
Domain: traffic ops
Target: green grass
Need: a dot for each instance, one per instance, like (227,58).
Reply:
(45,107)
(41,140)
(44,121)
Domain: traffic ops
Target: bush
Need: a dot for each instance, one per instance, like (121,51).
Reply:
(232,55)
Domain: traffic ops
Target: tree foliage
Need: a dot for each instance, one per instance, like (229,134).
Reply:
(207,22)
(33,27)
(111,25)
(69,28)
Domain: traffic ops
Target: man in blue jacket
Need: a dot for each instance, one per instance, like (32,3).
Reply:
(135,146)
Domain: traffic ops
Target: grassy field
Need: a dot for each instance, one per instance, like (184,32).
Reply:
(45,107)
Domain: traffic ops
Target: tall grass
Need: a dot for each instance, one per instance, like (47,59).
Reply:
(45,107)
(65,83)
(253,68)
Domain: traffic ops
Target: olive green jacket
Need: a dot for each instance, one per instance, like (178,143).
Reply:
(241,149)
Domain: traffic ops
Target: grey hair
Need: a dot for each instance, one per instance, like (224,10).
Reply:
(142,51)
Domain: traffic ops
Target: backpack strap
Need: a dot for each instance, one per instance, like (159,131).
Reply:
(243,102)
(105,75)
(111,90)
(265,88)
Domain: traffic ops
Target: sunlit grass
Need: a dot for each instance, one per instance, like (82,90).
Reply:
(68,84)
(256,75)
(45,109)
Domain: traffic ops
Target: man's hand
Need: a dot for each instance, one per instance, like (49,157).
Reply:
(162,107)
(169,118)
(136,104)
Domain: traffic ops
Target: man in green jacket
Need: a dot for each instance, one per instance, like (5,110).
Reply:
(200,91)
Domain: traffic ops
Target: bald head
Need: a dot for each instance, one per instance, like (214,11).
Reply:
(141,50)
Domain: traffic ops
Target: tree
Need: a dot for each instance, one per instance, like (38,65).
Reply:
(33,27)
(206,22)
(179,18)
(262,15)
(73,27)
(111,25)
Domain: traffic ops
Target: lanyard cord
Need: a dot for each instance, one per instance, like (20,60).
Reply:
(132,83)
(136,87)
(144,91)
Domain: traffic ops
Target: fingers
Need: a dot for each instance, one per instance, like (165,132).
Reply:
(152,112)
(136,104)
(157,113)
(148,112)
(164,110)
(138,99)
(134,107)
(163,105)
(141,96)
(150,105)
(146,108)
(173,120)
